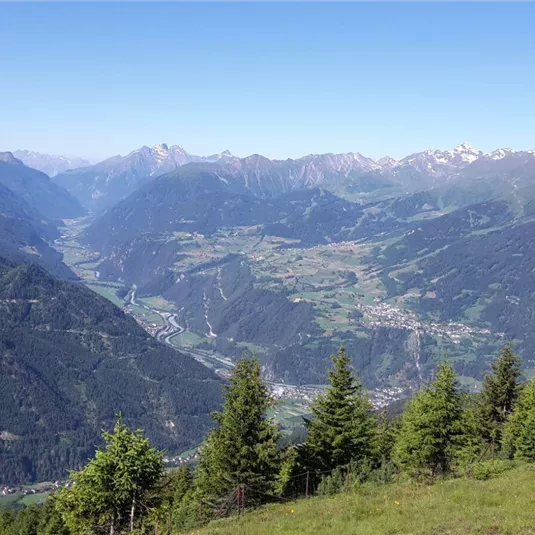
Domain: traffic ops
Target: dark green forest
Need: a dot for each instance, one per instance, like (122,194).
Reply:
(69,360)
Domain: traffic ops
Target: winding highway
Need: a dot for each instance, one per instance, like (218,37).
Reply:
(172,328)
(222,366)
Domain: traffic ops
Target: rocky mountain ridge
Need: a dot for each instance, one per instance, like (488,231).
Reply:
(351,175)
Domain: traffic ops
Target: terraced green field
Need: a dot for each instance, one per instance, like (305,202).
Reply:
(108,291)
(288,413)
(187,339)
(20,498)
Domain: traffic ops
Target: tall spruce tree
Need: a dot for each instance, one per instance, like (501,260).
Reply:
(387,429)
(431,427)
(470,443)
(499,395)
(242,450)
(343,428)
(107,494)
(519,435)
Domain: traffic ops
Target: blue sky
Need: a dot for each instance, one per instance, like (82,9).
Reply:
(281,79)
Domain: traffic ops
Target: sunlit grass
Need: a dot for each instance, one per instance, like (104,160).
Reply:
(502,505)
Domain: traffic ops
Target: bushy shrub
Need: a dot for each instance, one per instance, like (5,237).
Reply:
(333,483)
(355,476)
(385,474)
(487,469)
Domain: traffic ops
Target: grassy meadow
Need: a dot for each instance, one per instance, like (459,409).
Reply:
(502,505)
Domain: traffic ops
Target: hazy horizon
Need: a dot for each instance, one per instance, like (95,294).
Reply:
(294,157)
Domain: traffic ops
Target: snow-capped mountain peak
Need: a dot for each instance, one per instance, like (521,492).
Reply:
(223,157)
(467,153)
(163,148)
(439,162)
(162,156)
(176,149)
(465,147)
(387,162)
(499,154)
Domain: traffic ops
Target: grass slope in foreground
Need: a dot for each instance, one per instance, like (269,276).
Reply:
(503,505)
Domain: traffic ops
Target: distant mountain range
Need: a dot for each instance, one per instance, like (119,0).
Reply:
(349,175)
(432,225)
(101,185)
(307,199)
(50,164)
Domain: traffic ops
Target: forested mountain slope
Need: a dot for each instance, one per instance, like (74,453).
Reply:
(482,271)
(203,199)
(69,361)
(14,206)
(193,199)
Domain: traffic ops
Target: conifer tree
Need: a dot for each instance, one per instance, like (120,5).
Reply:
(343,428)
(470,444)
(107,494)
(387,429)
(499,395)
(243,449)
(431,426)
(287,482)
(51,521)
(171,502)
(519,435)
(181,482)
